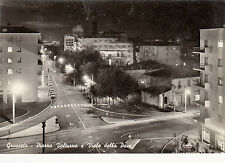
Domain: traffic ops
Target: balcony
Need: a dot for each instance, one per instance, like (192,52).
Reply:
(207,103)
(201,103)
(198,50)
(199,84)
(199,68)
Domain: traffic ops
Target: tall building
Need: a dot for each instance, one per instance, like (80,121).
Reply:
(211,87)
(19,49)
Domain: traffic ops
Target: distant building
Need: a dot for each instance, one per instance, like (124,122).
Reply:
(19,49)
(169,54)
(211,88)
(69,43)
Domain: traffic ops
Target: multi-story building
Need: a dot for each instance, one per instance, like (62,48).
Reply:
(211,88)
(69,43)
(169,55)
(19,48)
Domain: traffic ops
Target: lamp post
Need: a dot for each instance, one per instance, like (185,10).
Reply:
(186,92)
(16,88)
(43,126)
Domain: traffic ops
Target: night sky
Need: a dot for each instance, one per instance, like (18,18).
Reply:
(144,19)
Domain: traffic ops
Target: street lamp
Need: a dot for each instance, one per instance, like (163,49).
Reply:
(61,60)
(16,89)
(186,92)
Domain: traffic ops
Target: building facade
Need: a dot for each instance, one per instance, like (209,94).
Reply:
(111,50)
(169,55)
(211,88)
(19,49)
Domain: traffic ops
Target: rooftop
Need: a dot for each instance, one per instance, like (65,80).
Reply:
(156,90)
(16,29)
(178,72)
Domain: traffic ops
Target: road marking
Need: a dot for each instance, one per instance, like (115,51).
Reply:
(68,105)
(64,105)
(67,115)
(51,107)
(61,106)
(71,105)
(79,117)
(58,106)
(78,104)
(54,106)
(75,104)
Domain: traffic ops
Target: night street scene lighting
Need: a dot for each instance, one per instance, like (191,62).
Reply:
(112,76)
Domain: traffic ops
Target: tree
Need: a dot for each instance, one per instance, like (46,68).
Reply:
(113,83)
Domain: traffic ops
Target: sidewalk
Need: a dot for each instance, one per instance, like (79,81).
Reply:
(29,109)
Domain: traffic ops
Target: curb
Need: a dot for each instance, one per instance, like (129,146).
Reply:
(119,113)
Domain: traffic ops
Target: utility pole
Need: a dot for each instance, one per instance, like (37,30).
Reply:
(43,126)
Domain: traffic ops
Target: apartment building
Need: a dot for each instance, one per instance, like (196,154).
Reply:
(19,49)
(211,88)
(165,54)
(69,43)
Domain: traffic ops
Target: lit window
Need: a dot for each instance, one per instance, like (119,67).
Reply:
(9,60)
(220,81)
(220,98)
(9,49)
(10,71)
(220,43)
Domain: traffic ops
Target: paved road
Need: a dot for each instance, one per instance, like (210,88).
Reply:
(153,136)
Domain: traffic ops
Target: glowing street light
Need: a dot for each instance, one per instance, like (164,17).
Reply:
(69,69)
(17,88)
(186,92)
(61,60)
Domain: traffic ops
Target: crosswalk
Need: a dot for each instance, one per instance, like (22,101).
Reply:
(70,105)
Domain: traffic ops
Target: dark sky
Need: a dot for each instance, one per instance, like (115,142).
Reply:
(146,19)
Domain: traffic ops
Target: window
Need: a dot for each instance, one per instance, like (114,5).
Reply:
(220,43)
(9,49)
(19,71)
(19,48)
(9,60)
(206,78)
(10,71)
(220,63)
(206,43)
(220,81)
(220,98)
(20,60)
(206,61)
